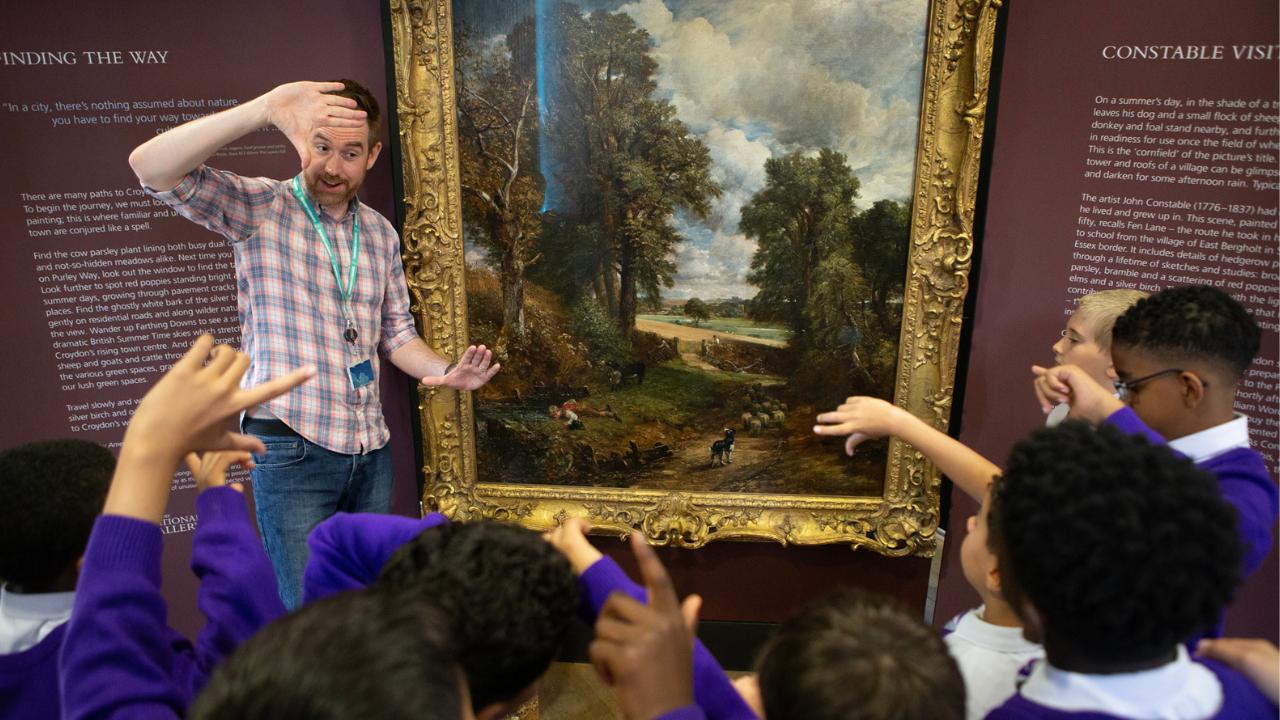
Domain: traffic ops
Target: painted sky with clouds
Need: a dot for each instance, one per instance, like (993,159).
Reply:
(758,79)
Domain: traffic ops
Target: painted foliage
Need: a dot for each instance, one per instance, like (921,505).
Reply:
(686,227)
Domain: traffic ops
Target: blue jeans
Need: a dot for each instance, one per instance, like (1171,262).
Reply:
(297,484)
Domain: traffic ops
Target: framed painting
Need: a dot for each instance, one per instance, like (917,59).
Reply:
(685,227)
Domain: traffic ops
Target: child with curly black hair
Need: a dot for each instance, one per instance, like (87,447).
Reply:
(1179,355)
(510,594)
(1113,551)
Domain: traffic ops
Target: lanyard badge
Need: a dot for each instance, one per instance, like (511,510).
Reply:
(344,291)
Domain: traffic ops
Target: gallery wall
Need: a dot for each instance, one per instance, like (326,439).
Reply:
(103,286)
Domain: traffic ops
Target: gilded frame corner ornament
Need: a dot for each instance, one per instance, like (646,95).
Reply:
(904,520)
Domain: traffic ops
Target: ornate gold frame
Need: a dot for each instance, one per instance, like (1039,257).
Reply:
(904,520)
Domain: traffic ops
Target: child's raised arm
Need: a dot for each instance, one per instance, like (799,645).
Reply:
(192,408)
(864,418)
(599,577)
(237,594)
(117,660)
(645,651)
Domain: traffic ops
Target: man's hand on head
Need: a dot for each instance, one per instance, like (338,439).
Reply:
(298,108)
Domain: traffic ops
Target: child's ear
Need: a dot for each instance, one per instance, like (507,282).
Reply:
(1111,372)
(1193,389)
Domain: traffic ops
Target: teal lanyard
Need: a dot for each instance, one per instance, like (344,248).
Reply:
(343,292)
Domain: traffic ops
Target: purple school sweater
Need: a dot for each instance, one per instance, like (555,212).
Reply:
(1240,699)
(120,658)
(29,679)
(348,550)
(1244,482)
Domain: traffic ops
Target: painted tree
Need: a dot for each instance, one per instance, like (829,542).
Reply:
(801,216)
(497,128)
(698,310)
(883,235)
(623,156)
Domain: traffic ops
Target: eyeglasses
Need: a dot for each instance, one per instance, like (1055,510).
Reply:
(1125,388)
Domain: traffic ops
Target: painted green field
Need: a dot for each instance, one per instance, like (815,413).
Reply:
(728,326)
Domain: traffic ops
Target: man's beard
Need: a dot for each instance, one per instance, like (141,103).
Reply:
(340,197)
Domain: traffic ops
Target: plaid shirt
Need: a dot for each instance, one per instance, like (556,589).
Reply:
(290,309)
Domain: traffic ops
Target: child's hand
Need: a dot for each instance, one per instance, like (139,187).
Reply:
(570,538)
(1069,384)
(191,408)
(194,406)
(210,469)
(646,651)
(862,418)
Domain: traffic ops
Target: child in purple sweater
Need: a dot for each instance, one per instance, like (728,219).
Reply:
(348,551)
(224,557)
(599,577)
(50,493)
(1112,551)
(119,659)
(843,656)
(510,594)
(1180,354)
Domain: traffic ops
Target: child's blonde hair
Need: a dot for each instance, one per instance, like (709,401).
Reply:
(1100,310)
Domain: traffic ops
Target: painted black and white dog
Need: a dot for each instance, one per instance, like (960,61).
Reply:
(722,450)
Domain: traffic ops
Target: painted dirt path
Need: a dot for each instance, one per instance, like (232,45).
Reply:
(690,468)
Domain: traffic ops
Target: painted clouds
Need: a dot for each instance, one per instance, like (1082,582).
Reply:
(760,79)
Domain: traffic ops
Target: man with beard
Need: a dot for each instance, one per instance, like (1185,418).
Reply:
(320,282)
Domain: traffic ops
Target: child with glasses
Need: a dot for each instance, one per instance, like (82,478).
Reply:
(1179,356)
(986,641)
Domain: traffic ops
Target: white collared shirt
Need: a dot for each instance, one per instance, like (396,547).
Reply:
(1179,690)
(990,658)
(26,619)
(1216,440)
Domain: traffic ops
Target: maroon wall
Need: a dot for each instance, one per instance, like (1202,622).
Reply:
(1039,250)
(74,265)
